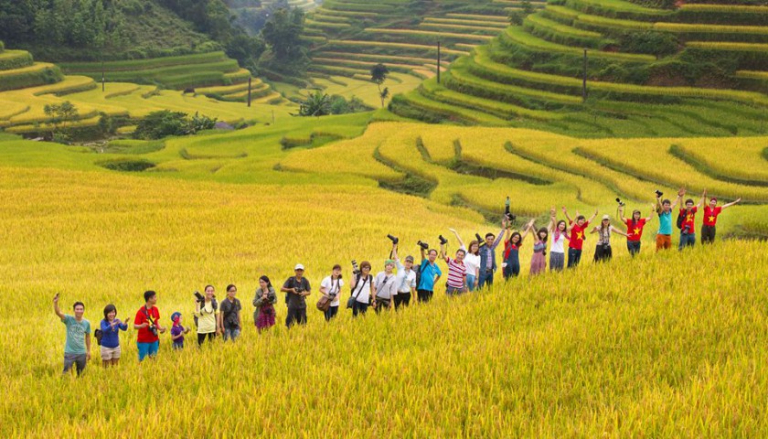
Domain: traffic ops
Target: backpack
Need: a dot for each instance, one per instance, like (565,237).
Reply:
(418,274)
(680,219)
(98,334)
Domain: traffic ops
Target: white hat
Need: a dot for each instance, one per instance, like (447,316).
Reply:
(606,217)
(298,267)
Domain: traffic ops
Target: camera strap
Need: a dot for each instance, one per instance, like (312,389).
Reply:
(360,290)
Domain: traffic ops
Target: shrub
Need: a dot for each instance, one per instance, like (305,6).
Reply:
(160,124)
(649,42)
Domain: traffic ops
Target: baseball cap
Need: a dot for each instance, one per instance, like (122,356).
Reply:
(298,267)
(606,217)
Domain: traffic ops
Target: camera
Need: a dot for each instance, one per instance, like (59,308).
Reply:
(480,240)
(394,239)
(423,245)
(199,297)
(443,241)
(355,268)
(510,216)
(153,329)
(659,193)
(686,229)
(621,203)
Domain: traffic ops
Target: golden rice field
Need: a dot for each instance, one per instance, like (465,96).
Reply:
(666,345)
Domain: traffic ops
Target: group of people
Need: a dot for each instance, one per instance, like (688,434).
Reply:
(470,268)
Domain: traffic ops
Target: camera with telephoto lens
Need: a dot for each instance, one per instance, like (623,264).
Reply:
(423,245)
(621,203)
(394,239)
(355,268)
(199,297)
(510,216)
(659,193)
(443,241)
(479,238)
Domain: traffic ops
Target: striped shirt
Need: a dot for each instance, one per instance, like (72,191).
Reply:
(456,273)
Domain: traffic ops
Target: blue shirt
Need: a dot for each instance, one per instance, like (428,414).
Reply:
(428,273)
(76,332)
(665,223)
(110,335)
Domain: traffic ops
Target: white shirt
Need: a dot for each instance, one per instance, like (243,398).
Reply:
(558,245)
(472,262)
(363,292)
(332,288)
(386,285)
(405,279)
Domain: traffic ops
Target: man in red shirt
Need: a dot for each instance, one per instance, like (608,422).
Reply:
(635,228)
(710,219)
(688,217)
(147,322)
(576,232)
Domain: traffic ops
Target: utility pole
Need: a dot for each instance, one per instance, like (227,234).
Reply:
(584,86)
(438,61)
(103,76)
(249,92)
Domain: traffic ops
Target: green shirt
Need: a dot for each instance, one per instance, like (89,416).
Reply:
(76,335)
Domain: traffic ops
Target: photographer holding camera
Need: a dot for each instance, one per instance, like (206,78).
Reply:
(471,261)
(635,227)
(147,322)
(229,317)
(206,315)
(603,251)
(264,301)
(385,285)
(686,221)
(298,289)
(430,273)
(362,288)
(406,279)
(457,270)
(664,210)
(331,288)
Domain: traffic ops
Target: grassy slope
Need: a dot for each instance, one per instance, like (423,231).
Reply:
(668,345)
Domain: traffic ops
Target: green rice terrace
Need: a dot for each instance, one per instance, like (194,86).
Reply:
(686,69)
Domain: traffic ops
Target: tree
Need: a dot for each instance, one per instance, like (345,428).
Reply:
(317,104)
(59,115)
(379,74)
(282,35)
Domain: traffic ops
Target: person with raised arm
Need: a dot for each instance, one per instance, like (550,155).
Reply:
(430,274)
(147,322)
(511,266)
(664,209)
(471,261)
(457,271)
(539,258)
(687,221)
(77,348)
(488,256)
(110,336)
(406,279)
(635,226)
(576,231)
(559,232)
(603,251)
(711,212)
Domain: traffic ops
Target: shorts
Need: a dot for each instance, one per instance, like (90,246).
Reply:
(110,353)
(148,349)
(77,360)
(663,242)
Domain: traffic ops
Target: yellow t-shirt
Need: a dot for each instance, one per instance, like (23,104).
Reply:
(206,319)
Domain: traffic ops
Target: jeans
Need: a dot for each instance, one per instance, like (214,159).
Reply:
(574,257)
(453,291)
(486,277)
(331,313)
(687,240)
(603,253)
(201,338)
(148,349)
(382,304)
(297,315)
(78,360)
(424,295)
(512,269)
(471,282)
(359,308)
(708,234)
(402,299)
(232,333)
(556,261)
(633,247)
(178,345)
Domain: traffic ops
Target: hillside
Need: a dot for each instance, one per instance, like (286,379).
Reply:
(667,345)
(692,70)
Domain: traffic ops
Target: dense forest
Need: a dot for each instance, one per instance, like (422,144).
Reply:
(92,30)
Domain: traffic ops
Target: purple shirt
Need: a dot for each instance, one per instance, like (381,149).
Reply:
(177,330)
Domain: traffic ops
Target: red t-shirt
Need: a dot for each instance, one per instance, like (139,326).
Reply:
(634,229)
(689,219)
(145,335)
(710,215)
(577,235)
